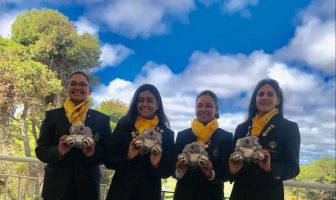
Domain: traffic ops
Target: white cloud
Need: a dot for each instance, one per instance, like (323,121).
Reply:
(229,121)
(323,9)
(141,18)
(116,89)
(314,40)
(305,92)
(313,44)
(216,71)
(6,21)
(158,75)
(232,6)
(85,26)
(113,55)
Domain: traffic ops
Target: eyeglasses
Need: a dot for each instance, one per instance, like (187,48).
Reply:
(79,84)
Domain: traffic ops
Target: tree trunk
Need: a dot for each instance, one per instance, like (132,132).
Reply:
(24,134)
(59,100)
(25,139)
(3,147)
(34,124)
(322,195)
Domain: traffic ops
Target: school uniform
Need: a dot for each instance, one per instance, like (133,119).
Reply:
(73,174)
(194,185)
(281,138)
(137,179)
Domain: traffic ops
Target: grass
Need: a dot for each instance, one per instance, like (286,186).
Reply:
(170,183)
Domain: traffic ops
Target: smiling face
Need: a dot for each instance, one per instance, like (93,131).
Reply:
(78,88)
(205,109)
(146,104)
(266,99)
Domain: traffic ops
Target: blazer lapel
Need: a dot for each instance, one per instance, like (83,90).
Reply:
(90,120)
(62,118)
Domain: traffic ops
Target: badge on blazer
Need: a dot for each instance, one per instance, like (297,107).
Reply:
(206,145)
(272,144)
(267,130)
(97,137)
(134,134)
(215,152)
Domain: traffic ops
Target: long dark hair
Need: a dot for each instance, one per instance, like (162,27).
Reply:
(133,111)
(275,85)
(213,96)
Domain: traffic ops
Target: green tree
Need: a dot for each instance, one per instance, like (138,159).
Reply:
(43,50)
(26,85)
(53,40)
(116,109)
(7,94)
(321,171)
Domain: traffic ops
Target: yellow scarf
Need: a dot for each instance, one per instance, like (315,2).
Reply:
(203,133)
(258,122)
(76,114)
(141,124)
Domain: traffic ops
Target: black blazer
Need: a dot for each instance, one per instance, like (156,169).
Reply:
(137,178)
(282,138)
(194,185)
(73,170)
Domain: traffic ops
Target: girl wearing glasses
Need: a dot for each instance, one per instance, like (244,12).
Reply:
(73,172)
(280,140)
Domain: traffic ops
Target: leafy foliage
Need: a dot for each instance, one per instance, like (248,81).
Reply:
(24,83)
(43,50)
(322,171)
(116,109)
(53,40)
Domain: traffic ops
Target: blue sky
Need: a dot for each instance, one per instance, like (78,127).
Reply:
(186,46)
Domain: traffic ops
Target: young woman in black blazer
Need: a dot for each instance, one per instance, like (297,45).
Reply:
(206,181)
(137,174)
(73,173)
(280,140)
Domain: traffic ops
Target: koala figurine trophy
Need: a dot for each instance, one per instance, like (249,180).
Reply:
(80,136)
(150,141)
(248,149)
(193,154)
